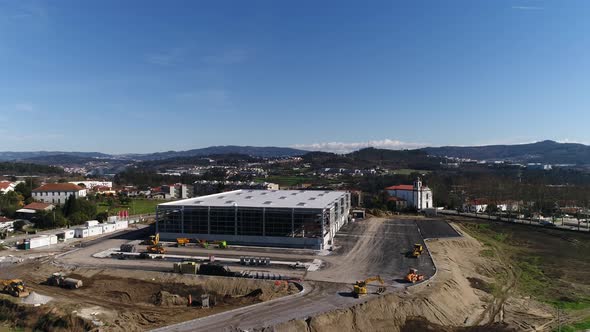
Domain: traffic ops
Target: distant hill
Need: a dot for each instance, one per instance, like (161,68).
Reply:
(549,152)
(12,168)
(372,157)
(58,157)
(63,159)
(263,152)
(12,155)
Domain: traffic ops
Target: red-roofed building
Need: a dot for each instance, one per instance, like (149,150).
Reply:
(39,206)
(57,193)
(6,186)
(416,196)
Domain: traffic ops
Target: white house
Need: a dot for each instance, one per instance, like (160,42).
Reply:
(416,195)
(6,186)
(92,184)
(57,193)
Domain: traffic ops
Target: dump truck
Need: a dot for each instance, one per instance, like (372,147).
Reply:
(59,280)
(14,287)
(360,287)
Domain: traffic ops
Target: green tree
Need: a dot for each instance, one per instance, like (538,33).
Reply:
(78,218)
(24,189)
(102,217)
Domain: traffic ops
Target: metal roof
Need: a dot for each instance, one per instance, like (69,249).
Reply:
(301,199)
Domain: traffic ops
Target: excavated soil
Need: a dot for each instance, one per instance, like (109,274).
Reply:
(130,300)
(457,298)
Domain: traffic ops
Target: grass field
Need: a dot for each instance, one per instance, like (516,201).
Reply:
(137,206)
(551,266)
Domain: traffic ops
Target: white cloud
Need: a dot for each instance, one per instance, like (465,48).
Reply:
(527,8)
(345,147)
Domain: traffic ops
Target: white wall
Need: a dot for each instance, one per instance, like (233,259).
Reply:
(57,197)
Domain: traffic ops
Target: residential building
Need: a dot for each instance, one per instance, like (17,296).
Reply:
(39,206)
(6,186)
(417,196)
(92,184)
(205,187)
(57,193)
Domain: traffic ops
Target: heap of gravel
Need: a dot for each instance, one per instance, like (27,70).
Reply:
(36,298)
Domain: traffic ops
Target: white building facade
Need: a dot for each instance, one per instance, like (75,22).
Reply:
(57,193)
(92,184)
(417,196)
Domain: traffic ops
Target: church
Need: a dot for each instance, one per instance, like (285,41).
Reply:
(416,196)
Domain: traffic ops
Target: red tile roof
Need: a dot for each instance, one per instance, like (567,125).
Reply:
(59,187)
(5,184)
(37,206)
(401,187)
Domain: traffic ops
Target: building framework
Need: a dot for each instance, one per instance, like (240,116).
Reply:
(284,218)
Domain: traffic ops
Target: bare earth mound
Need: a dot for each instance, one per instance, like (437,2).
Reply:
(457,298)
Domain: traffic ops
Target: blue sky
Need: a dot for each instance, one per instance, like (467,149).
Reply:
(145,76)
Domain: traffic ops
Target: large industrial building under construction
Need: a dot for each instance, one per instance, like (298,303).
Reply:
(283,218)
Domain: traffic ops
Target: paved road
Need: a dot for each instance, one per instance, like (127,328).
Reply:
(374,247)
(366,248)
(317,298)
(435,228)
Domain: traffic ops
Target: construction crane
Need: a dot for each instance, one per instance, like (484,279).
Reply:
(155,246)
(14,287)
(360,288)
(417,250)
(413,276)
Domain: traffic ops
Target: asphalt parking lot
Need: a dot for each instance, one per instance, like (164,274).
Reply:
(436,228)
(374,247)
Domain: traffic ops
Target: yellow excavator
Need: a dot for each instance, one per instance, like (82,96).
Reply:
(14,287)
(360,288)
(417,250)
(155,247)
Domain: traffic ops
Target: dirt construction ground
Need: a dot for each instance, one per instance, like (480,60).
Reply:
(475,286)
(125,300)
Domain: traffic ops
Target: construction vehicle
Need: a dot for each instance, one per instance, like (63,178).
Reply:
(59,280)
(220,244)
(182,241)
(360,288)
(14,287)
(414,277)
(155,246)
(418,249)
